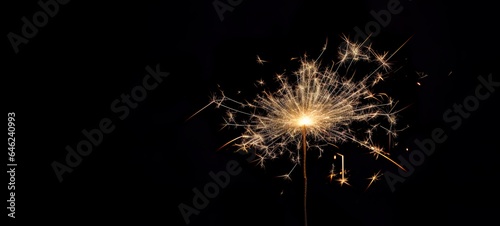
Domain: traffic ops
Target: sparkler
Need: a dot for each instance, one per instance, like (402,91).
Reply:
(316,107)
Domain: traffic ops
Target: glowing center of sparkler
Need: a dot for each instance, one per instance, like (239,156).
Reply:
(305,121)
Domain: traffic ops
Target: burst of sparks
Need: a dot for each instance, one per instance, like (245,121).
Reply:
(332,103)
(316,104)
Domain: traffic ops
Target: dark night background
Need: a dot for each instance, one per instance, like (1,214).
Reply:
(65,79)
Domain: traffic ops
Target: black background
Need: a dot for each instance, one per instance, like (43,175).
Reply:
(65,78)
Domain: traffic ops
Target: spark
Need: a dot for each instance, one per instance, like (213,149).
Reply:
(421,74)
(317,104)
(332,173)
(373,178)
(287,176)
(260,61)
(343,180)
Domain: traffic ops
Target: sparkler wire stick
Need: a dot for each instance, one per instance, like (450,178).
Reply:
(304,146)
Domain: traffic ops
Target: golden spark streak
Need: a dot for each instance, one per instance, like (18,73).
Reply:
(394,162)
(231,141)
(203,108)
